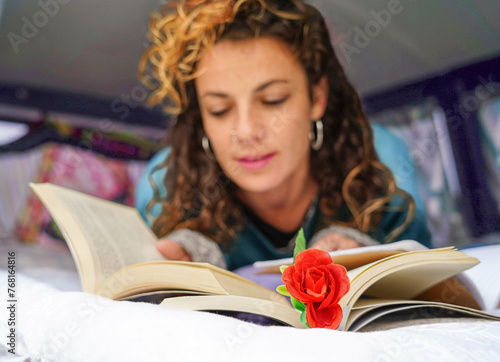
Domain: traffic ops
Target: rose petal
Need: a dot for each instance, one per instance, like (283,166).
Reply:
(315,283)
(312,257)
(314,278)
(293,282)
(330,317)
(342,282)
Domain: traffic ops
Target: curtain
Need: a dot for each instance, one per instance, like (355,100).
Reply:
(489,120)
(423,128)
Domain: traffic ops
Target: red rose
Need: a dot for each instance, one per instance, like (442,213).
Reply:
(318,283)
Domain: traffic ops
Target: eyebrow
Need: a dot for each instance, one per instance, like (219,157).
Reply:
(258,89)
(274,81)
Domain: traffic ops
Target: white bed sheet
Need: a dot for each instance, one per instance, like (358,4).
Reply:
(56,322)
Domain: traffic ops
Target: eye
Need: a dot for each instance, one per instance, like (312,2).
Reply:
(219,113)
(275,102)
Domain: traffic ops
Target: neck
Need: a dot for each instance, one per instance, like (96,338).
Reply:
(283,209)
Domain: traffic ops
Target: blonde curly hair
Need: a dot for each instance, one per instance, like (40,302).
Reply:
(346,168)
(179,33)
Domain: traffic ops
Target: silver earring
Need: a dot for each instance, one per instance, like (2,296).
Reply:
(316,138)
(205,143)
(234,138)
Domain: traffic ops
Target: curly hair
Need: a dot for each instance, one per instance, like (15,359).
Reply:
(200,196)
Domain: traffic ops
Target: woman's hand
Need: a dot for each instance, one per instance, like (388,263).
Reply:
(172,250)
(335,241)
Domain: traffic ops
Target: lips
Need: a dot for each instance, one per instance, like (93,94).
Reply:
(255,162)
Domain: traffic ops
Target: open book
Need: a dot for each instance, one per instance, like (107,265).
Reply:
(115,255)
(412,287)
(404,282)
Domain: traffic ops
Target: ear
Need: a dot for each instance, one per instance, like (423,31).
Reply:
(319,101)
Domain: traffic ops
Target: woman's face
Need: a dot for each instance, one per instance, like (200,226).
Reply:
(257,111)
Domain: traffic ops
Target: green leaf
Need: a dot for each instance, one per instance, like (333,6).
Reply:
(282,268)
(300,244)
(298,304)
(283,291)
(302,308)
(303,319)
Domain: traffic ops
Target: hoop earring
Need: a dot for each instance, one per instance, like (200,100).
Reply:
(316,138)
(205,143)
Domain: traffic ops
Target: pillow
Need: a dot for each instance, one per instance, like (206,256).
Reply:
(81,170)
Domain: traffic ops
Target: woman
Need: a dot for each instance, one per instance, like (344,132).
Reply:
(268,137)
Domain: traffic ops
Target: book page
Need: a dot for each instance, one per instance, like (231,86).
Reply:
(365,311)
(270,309)
(352,254)
(485,275)
(357,272)
(103,236)
(406,275)
(181,275)
(455,290)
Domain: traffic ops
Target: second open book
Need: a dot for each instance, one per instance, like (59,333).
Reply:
(115,255)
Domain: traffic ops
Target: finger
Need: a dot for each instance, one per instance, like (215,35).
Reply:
(330,242)
(172,250)
(347,243)
(327,244)
(335,241)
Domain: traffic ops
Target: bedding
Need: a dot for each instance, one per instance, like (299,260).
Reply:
(57,322)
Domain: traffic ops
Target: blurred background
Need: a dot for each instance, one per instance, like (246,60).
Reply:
(72,110)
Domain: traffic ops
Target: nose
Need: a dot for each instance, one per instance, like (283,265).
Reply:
(249,126)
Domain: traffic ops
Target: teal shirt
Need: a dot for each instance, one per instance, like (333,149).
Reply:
(251,245)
